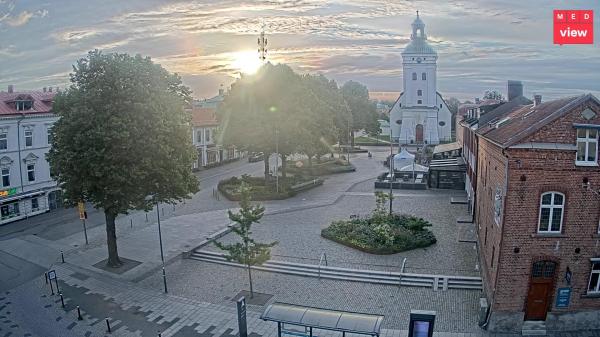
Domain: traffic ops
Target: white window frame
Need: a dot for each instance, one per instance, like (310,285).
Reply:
(587,142)
(4,137)
(592,272)
(26,136)
(49,135)
(414,76)
(32,171)
(423,76)
(5,175)
(419,92)
(37,200)
(551,207)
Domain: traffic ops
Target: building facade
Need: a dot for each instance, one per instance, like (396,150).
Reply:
(420,115)
(538,215)
(204,131)
(26,188)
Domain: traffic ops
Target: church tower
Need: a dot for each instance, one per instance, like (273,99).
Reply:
(420,115)
(419,65)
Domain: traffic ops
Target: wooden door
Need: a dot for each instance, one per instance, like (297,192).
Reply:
(540,290)
(419,133)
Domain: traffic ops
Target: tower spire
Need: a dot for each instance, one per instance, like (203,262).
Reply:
(417,14)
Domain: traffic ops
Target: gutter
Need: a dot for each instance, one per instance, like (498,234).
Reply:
(19,150)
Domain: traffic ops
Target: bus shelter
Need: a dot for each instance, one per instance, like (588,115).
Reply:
(311,318)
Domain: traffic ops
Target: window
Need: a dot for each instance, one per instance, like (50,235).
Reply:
(423,76)
(419,92)
(594,286)
(28,138)
(587,146)
(34,204)
(207,135)
(30,172)
(551,212)
(23,105)
(199,136)
(440,106)
(3,141)
(419,102)
(49,135)
(5,177)
(10,210)
(414,76)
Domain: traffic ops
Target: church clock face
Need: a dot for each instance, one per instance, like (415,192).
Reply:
(418,60)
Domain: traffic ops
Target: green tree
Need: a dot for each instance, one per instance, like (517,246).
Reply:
(364,113)
(261,109)
(248,252)
(123,134)
(493,94)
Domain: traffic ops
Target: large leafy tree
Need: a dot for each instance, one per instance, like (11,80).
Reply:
(123,134)
(262,111)
(247,252)
(364,112)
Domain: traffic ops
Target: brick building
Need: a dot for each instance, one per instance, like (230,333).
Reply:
(537,213)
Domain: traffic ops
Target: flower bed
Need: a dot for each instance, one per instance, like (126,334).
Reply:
(330,166)
(381,234)
(261,190)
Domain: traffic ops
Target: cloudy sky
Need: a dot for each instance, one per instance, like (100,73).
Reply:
(481,44)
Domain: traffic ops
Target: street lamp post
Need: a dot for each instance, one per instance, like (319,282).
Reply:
(162,256)
(391,164)
(277,160)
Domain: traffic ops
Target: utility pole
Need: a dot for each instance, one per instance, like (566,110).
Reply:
(262,45)
(277,160)
(162,256)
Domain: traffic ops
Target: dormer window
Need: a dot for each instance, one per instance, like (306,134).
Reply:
(23,105)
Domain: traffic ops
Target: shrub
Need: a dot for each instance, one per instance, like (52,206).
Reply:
(264,190)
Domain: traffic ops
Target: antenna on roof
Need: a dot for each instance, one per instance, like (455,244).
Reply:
(262,45)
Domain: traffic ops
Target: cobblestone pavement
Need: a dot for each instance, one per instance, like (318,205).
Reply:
(133,311)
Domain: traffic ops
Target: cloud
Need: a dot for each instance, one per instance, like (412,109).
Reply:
(23,17)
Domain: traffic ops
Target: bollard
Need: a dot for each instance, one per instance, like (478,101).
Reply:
(107,325)
(163,210)
(159,335)
(62,300)
(79,318)
(146,217)
(46,277)
(131,222)
(62,256)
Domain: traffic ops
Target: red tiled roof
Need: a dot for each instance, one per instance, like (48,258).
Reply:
(524,120)
(204,117)
(42,102)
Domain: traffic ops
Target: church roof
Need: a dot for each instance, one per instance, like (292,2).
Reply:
(419,46)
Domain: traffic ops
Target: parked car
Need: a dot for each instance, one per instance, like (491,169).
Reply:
(255,156)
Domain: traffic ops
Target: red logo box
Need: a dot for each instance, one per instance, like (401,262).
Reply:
(573,26)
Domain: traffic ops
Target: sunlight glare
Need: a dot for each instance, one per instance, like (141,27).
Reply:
(246,62)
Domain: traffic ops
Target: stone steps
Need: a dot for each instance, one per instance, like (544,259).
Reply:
(437,282)
(533,328)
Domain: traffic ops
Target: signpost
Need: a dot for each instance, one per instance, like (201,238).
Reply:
(563,297)
(52,276)
(241,316)
(83,216)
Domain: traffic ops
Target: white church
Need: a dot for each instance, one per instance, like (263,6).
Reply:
(420,115)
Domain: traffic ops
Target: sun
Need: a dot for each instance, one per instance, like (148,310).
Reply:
(246,62)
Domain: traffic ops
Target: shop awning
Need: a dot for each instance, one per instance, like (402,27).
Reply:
(21,196)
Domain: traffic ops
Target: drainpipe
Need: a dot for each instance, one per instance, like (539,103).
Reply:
(19,145)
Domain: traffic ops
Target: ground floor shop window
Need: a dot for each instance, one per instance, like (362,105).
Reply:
(230,153)
(10,210)
(211,157)
(35,206)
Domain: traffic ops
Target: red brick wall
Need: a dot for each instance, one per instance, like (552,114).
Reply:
(531,173)
(491,175)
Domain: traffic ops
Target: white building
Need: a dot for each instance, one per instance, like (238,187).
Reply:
(420,115)
(26,188)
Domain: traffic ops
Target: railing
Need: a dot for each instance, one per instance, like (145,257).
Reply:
(401,272)
(323,258)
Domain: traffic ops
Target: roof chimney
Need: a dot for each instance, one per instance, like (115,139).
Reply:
(477,100)
(49,89)
(221,90)
(10,88)
(44,89)
(537,100)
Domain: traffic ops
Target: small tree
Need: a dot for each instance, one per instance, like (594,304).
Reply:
(248,252)
(380,213)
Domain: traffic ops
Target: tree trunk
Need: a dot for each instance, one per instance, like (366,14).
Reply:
(111,241)
(250,279)
(352,139)
(283,165)
(267,168)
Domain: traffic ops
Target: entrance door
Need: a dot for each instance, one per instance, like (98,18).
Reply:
(540,290)
(419,133)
